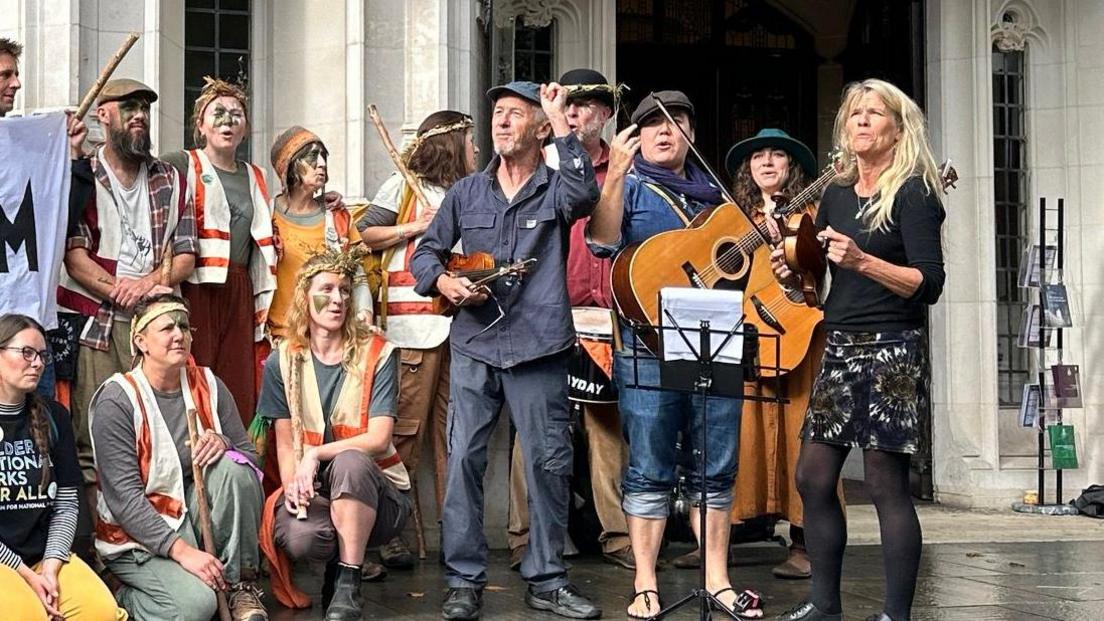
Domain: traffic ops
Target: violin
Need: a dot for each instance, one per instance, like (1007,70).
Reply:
(480,269)
(806,255)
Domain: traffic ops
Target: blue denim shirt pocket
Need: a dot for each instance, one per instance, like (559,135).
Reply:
(536,220)
(477,230)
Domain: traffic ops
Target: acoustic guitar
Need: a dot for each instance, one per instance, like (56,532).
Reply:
(722,248)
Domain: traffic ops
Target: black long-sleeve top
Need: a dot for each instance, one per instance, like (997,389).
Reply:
(857,303)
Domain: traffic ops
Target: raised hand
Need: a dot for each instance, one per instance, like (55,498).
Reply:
(77,133)
(623,149)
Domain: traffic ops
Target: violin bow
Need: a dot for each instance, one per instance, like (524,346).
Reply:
(717,180)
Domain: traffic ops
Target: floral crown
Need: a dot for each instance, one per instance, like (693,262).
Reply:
(461,125)
(334,261)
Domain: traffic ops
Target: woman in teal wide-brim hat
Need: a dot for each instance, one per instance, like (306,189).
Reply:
(770,162)
(767,164)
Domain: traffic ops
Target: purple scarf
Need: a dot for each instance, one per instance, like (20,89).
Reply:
(696,185)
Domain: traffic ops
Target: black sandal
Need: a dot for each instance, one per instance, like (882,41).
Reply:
(746,601)
(647,602)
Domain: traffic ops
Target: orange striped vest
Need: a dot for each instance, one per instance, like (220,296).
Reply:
(213,230)
(349,417)
(158,460)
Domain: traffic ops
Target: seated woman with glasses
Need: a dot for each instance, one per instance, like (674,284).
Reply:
(39,482)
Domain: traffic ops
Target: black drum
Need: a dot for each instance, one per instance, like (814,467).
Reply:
(587,381)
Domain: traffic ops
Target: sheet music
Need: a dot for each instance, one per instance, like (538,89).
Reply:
(723,308)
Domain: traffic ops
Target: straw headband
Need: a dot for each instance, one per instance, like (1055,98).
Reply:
(214,88)
(334,261)
(584,90)
(463,124)
(140,322)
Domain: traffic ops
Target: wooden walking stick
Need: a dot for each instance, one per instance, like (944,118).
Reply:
(411,180)
(295,409)
(204,510)
(105,75)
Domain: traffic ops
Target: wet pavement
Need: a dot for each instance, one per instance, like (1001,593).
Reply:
(959,581)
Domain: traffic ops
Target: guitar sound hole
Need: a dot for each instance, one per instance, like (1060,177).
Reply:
(729,258)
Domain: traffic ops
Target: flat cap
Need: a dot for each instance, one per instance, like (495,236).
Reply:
(125,88)
(672,100)
(526,90)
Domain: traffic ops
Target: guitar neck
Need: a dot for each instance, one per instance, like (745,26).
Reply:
(811,191)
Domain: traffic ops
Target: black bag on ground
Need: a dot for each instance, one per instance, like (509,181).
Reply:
(1091,501)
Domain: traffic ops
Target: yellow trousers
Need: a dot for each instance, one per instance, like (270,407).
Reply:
(84,597)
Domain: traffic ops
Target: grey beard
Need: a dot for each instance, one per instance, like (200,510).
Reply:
(134,150)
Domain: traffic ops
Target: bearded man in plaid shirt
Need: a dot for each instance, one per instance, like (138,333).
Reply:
(136,237)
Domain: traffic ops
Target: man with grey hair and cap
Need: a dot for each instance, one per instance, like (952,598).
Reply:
(591,102)
(511,340)
(652,187)
(135,237)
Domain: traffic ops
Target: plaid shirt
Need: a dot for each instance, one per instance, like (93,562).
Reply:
(166,192)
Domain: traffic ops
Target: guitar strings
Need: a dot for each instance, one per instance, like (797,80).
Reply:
(748,243)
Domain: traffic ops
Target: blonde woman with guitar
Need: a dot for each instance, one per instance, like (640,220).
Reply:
(881,225)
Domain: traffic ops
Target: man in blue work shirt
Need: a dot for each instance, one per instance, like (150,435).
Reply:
(652,187)
(511,341)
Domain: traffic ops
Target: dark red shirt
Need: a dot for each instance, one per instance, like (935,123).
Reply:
(588,277)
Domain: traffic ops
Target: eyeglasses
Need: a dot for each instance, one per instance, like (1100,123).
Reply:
(29,354)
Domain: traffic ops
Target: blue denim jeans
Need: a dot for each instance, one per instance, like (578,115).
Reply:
(652,420)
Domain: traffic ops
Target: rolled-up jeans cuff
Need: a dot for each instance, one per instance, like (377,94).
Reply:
(713,500)
(654,505)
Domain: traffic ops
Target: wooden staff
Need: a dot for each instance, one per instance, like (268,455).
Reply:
(105,75)
(411,180)
(204,510)
(166,263)
(295,408)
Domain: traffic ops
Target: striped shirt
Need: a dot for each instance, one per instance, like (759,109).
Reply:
(36,523)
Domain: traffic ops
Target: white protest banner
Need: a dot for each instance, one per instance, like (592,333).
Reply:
(34,206)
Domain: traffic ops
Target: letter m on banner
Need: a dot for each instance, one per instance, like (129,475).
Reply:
(34,199)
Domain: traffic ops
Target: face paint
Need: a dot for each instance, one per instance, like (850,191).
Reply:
(221,116)
(321,301)
(316,156)
(129,108)
(180,320)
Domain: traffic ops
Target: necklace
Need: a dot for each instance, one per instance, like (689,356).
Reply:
(863,207)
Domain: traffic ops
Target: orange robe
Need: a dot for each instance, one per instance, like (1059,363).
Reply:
(770,442)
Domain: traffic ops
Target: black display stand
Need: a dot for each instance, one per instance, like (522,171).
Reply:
(704,377)
(1051,234)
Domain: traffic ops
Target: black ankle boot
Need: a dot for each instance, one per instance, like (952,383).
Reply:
(346,604)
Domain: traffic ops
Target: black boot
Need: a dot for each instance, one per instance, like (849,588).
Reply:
(346,604)
(462,604)
(806,611)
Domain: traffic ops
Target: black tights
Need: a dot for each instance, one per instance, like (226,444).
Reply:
(887,481)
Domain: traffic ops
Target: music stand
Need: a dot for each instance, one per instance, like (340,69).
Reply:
(699,377)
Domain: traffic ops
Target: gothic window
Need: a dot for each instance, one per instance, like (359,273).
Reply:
(533,53)
(1010,194)
(216,43)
